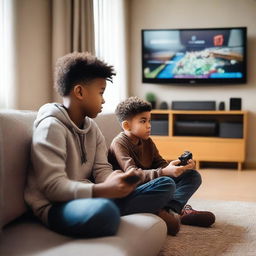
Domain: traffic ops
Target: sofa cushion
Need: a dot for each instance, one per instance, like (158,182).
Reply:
(15,135)
(138,235)
(109,126)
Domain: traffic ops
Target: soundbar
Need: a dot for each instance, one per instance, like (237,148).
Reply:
(194,105)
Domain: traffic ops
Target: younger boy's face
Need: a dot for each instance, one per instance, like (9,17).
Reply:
(93,100)
(140,125)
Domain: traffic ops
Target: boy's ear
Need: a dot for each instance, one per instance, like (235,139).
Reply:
(78,91)
(126,125)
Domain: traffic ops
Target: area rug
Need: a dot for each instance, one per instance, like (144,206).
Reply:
(233,234)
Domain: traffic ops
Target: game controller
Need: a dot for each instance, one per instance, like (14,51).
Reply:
(132,179)
(185,157)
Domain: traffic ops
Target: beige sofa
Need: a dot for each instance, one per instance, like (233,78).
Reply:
(138,234)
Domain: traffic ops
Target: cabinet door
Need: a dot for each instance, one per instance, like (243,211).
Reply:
(226,150)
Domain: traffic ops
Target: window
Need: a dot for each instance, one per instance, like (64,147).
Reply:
(7,54)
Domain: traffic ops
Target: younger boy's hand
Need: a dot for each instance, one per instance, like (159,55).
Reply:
(172,170)
(116,185)
(191,164)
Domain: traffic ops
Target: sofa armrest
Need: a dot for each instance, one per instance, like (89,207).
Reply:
(15,135)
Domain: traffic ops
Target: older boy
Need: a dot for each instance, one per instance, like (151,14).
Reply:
(71,187)
(133,148)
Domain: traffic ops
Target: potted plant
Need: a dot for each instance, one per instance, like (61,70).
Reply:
(151,97)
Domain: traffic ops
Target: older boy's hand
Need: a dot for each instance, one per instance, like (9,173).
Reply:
(172,170)
(116,185)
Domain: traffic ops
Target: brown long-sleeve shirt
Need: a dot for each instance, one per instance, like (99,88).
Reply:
(124,155)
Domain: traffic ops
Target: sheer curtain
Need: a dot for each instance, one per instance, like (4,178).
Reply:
(7,54)
(110,46)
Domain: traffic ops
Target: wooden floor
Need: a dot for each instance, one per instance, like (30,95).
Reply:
(226,184)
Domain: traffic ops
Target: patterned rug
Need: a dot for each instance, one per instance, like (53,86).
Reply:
(233,234)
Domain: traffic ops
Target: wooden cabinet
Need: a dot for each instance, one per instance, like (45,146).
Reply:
(212,136)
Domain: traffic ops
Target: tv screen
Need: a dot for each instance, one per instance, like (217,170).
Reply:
(209,55)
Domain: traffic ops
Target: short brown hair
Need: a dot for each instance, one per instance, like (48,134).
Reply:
(79,67)
(131,107)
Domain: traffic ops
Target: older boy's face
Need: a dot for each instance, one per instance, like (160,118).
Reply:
(93,100)
(140,125)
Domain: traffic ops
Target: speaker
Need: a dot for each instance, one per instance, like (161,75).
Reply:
(193,105)
(222,105)
(235,103)
(164,105)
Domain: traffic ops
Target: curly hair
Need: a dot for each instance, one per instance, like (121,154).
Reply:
(131,107)
(79,67)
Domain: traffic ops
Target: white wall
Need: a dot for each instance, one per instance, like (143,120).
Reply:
(147,14)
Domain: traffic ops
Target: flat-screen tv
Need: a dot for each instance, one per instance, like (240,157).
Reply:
(191,56)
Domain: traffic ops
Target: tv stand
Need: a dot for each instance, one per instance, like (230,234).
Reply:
(227,143)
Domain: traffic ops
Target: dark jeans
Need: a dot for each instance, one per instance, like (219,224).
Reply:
(186,186)
(95,217)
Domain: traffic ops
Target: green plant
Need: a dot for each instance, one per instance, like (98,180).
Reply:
(151,97)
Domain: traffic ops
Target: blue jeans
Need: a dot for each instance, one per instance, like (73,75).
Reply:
(186,186)
(95,217)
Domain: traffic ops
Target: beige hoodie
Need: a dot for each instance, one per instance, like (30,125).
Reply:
(63,159)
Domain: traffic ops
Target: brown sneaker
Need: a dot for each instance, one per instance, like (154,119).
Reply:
(172,221)
(189,216)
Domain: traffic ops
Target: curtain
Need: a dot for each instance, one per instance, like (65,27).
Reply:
(110,25)
(35,33)
(97,26)
(72,28)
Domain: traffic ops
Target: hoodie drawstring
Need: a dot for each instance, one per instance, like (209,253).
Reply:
(80,140)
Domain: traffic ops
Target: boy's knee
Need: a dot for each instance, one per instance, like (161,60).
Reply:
(196,177)
(167,183)
(106,218)
(107,209)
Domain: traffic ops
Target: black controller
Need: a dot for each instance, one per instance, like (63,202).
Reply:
(132,179)
(185,157)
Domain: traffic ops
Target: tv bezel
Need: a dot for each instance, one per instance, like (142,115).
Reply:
(199,81)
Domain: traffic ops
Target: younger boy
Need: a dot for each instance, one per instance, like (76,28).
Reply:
(71,187)
(133,148)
